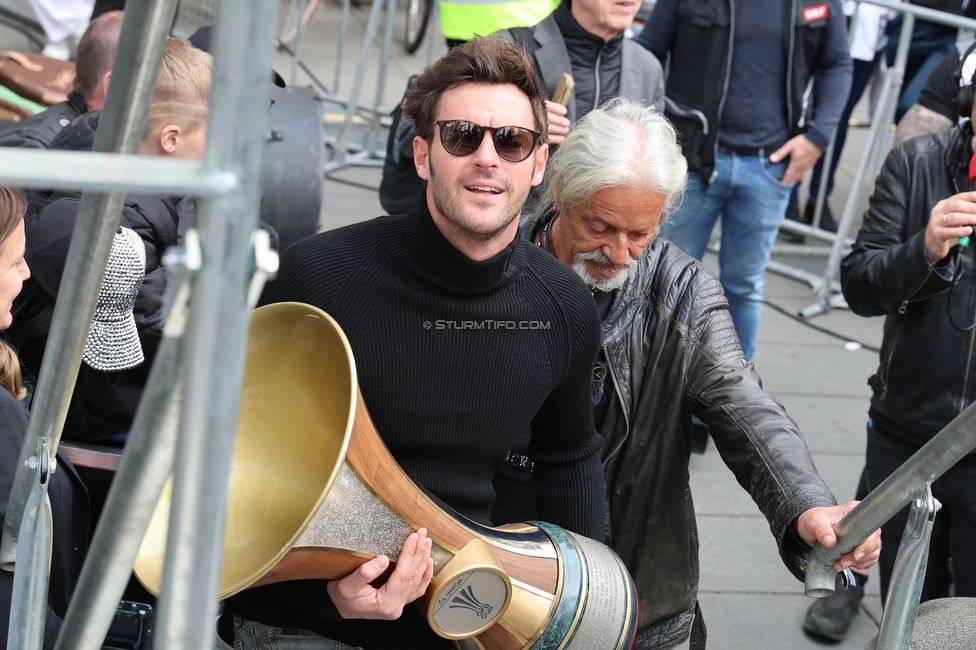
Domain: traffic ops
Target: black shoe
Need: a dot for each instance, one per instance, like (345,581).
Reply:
(826,217)
(829,618)
(793,214)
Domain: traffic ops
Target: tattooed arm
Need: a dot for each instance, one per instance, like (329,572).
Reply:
(920,121)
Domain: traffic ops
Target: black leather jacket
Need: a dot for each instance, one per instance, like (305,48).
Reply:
(926,376)
(38,131)
(673,353)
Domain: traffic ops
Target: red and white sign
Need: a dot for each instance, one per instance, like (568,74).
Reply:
(817,12)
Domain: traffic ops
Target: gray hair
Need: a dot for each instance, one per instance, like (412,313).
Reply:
(622,143)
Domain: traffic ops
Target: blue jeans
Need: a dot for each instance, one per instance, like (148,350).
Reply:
(251,635)
(749,194)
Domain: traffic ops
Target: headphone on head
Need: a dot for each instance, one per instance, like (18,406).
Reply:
(964,98)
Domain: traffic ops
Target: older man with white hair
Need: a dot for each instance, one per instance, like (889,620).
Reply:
(669,352)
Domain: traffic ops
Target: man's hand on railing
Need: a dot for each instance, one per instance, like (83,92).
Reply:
(817,525)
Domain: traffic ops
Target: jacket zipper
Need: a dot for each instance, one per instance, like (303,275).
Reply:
(789,68)
(902,309)
(687,112)
(969,363)
(596,76)
(725,87)
(805,105)
(883,375)
(623,407)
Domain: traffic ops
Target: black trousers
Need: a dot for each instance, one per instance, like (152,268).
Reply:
(951,556)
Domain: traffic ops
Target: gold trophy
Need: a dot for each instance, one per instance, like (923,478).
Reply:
(314,493)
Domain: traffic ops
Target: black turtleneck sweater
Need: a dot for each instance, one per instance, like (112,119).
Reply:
(596,62)
(455,359)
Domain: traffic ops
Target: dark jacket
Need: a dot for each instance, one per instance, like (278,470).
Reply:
(672,353)
(640,75)
(698,36)
(927,374)
(103,403)
(70,510)
(38,131)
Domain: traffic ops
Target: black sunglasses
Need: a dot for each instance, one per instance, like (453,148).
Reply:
(462,138)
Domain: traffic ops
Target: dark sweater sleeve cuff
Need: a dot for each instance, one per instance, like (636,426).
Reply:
(817,138)
(314,597)
(795,553)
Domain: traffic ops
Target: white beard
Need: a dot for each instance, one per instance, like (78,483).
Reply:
(602,284)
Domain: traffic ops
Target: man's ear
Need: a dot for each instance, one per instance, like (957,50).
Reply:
(103,84)
(421,157)
(541,157)
(169,138)
(95,97)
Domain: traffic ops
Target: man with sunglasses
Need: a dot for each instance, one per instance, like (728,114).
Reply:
(582,38)
(669,351)
(465,335)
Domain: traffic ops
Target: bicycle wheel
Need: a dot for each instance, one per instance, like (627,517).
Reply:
(288,19)
(418,16)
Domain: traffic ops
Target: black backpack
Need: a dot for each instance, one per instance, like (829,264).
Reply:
(400,188)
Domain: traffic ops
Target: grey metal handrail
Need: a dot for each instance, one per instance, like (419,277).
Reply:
(957,439)
(79,170)
(217,332)
(144,468)
(126,108)
(908,574)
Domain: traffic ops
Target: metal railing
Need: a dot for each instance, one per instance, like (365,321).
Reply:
(191,15)
(20,16)
(825,286)
(205,407)
(357,135)
(371,151)
(909,484)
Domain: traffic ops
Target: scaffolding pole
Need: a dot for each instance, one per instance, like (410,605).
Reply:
(228,181)
(140,51)
(217,332)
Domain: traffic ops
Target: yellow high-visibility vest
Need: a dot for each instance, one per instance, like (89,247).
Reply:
(462,20)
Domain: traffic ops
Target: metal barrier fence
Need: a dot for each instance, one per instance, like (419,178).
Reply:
(205,407)
(191,15)
(359,138)
(356,128)
(820,265)
(190,401)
